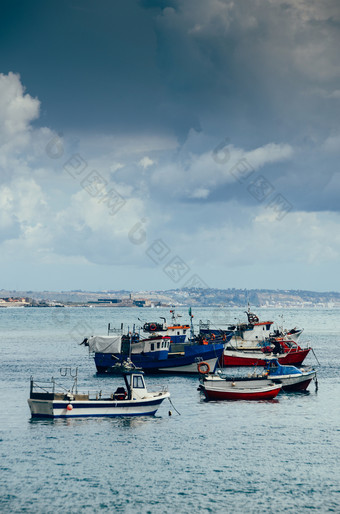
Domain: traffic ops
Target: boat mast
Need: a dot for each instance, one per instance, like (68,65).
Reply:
(191,324)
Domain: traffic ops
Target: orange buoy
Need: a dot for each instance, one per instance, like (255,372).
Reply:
(69,407)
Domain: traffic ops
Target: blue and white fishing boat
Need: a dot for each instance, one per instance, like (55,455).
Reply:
(154,354)
(131,400)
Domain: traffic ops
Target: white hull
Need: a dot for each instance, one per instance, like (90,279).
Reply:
(237,343)
(100,408)
(217,383)
(190,368)
(293,380)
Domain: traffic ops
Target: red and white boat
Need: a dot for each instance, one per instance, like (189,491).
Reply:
(294,355)
(255,333)
(253,343)
(216,387)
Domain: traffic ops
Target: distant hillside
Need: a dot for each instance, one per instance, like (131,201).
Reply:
(258,297)
(198,297)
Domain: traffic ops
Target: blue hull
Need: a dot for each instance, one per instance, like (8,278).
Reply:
(67,416)
(178,339)
(193,354)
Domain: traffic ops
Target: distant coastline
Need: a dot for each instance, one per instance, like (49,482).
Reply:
(173,297)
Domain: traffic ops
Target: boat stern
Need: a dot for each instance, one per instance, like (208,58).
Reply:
(40,408)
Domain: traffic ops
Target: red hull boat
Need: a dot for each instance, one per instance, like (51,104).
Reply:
(217,387)
(269,394)
(294,356)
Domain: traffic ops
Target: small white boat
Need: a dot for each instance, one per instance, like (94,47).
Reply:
(131,400)
(219,387)
(236,389)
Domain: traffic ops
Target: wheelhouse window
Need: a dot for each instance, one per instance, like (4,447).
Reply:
(138,382)
(152,346)
(158,345)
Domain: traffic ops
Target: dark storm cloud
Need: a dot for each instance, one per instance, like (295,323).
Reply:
(250,68)
(244,68)
(253,73)
(88,63)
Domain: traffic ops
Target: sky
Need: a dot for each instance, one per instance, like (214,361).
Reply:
(159,144)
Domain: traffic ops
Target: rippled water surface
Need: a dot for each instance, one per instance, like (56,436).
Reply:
(275,456)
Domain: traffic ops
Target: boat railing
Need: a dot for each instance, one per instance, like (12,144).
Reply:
(51,386)
(44,386)
(206,325)
(102,395)
(114,330)
(163,388)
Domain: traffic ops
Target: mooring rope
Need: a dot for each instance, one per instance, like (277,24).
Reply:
(174,406)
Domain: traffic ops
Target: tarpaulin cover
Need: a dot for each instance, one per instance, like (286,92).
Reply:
(105,344)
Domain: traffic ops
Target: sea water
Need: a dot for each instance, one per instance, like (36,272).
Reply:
(263,456)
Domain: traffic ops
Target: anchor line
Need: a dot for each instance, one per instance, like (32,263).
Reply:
(315,356)
(174,406)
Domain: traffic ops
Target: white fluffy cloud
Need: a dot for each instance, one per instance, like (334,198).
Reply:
(146,162)
(197,175)
(45,210)
(17,109)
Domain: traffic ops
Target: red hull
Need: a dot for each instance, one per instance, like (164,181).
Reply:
(292,357)
(242,395)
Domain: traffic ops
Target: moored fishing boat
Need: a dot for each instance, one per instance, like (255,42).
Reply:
(131,400)
(253,342)
(219,387)
(177,332)
(250,343)
(181,333)
(293,354)
(152,354)
(291,378)
(255,334)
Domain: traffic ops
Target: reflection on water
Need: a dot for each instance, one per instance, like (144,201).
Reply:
(116,422)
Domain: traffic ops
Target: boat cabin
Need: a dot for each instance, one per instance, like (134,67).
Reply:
(154,327)
(172,331)
(126,345)
(176,331)
(274,368)
(135,385)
